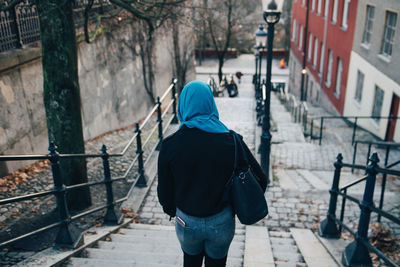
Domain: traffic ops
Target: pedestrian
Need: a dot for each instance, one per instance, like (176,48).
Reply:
(239,75)
(194,166)
(232,87)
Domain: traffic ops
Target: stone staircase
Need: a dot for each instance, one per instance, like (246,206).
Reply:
(146,245)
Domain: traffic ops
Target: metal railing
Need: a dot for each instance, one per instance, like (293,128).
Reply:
(357,252)
(67,236)
(355,126)
(20,25)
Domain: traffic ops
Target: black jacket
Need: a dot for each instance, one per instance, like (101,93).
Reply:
(193,169)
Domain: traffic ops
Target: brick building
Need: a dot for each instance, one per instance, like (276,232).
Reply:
(325,48)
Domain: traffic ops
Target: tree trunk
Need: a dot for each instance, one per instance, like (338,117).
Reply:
(220,65)
(61,93)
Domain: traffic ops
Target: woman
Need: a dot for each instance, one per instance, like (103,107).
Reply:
(194,166)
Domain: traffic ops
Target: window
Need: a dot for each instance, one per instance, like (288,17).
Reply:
(319,8)
(338,78)
(359,86)
(309,47)
(315,53)
(369,19)
(294,31)
(345,14)
(329,74)
(301,37)
(378,101)
(313,5)
(334,11)
(388,35)
(322,58)
(303,2)
(326,8)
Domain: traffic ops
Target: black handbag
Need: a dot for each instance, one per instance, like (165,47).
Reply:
(246,195)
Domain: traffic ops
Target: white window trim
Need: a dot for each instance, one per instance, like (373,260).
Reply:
(326,8)
(310,43)
(328,81)
(322,59)
(313,5)
(319,8)
(339,78)
(315,53)
(345,14)
(335,11)
(301,37)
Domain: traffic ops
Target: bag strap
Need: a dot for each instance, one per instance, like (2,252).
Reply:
(238,142)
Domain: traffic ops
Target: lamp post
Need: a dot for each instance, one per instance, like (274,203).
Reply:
(261,42)
(271,16)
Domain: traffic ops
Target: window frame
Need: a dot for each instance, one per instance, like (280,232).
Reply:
(368,25)
(376,108)
(309,51)
(359,86)
(335,11)
(328,81)
(345,14)
(339,72)
(385,31)
(319,7)
(315,59)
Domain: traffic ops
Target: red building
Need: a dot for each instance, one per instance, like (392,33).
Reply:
(324,46)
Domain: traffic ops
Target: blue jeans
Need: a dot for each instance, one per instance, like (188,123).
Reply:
(212,234)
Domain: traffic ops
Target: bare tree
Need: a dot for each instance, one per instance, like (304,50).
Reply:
(61,90)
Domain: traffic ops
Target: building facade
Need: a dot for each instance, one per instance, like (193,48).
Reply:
(373,86)
(323,46)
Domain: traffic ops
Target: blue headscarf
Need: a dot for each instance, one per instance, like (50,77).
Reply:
(197,109)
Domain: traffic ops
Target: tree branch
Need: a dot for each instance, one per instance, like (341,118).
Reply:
(6,7)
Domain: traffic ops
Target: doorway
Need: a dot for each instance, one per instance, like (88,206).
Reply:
(394,110)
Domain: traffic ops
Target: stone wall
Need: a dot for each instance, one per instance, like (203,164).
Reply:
(111,83)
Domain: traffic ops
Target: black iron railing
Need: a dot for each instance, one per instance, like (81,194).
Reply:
(20,25)
(348,119)
(68,236)
(357,252)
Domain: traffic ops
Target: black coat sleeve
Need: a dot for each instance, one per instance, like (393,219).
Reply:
(166,187)
(256,168)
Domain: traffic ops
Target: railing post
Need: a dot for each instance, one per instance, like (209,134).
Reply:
(112,217)
(305,121)
(320,130)
(142,179)
(356,253)
(328,227)
(354,155)
(383,186)
(312,129)
(354,130)
(159,120)
(175,119)
(68,235)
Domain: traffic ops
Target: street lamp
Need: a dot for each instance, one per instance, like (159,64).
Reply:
(261,42)
(271,16)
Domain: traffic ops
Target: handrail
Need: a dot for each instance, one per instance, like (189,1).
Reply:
(353,183)
(357,253)
(112,216)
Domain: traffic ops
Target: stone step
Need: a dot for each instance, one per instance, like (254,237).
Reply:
(285,181)
(88,262)
(235,250)
(144,239)
(312,250)
(142,258)
(314,180)
(258,250)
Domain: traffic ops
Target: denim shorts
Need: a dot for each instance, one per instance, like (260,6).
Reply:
(212,234)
